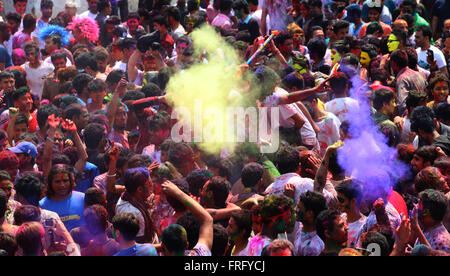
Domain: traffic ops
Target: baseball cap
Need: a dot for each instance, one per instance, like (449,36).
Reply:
(26,148)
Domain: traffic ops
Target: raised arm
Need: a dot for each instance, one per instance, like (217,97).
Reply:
(111,176)
(132,69)
(264,21)
(113,105)
(81,151)
(321,176)
(13,112)
(53,123)
(303,94)
(205,219)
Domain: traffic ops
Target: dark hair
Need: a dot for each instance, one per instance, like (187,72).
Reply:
(221,189)
(43,112)
(317,45)
(192,226)
(197,179)
(422,119)
(340,46)
(426,31)
(251,174)
(382,96)
(174,12)
(85,60)
(223,165)
(177,205)
(373,28)
(6,75)
(94,196)
(93,134)
(315,3)
(73,110)
(96,218)
(174,238)
(442,111)
(401,35)
(14,16)
(427,153)
(225,5)
(282,37)
(325,222)
(435,202)
(8,159)
(370,49)
(81,81)
(412,57)
(26,213)
(125,154)
(378,238)
(21,119)
(102,5)
(8,243)
(96,85)
(151,89)
(21,92)
(60,168)
(243,219)
(274,205)
(287,159)
(351,189)
(127,224)
(3,203)
(294,79)
(29,21)
(340,24)
(30,187)
(400,58)
(220,239)
(338,82)
(414,97)
(179,153)
(161,20)
(241,4)
(135,178)
(115,76)
(313,201)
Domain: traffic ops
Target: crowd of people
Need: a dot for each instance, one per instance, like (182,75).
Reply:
(89,167)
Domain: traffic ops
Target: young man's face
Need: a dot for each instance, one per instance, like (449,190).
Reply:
(340,233)
(364,59)
(19,129)
(318,33)
(117,53)
(6,35)
(132,24)
(287,47)
(49,45)
(32,55)
(419,39)
(24,103)
(92,4)
(390,107)
(343,203)
(341,33)
(6,186)
(61,184)
(13,25)
(440,91)
(101,65)
(7,84)
(47,12)
(97,96)
(21,7)
(233,229)
(417,163)
(82,120)
(121,118)
(373,15)
(59,63)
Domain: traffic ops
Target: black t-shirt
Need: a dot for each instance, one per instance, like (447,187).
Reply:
(251,26)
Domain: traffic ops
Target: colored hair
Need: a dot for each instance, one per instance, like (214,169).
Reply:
(87,26)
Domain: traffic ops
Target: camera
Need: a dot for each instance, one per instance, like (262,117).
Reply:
(49,223)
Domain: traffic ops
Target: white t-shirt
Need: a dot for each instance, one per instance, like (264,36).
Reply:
(329,132)
(278,12)
(120,65)
(438,56)
(88,14)
(341,106)
(286,112)
(301,185)
(257,16)
(354,230)
(126,207)
(36,76)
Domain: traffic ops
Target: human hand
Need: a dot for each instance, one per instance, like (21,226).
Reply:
(114,154)
(13,112)
(153,166)
(69,125)
(289,190)
(399,122)
(323,86)
(122,86)
(315,164)
(170,189)
(404,231)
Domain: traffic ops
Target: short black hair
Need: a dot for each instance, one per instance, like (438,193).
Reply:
(30,187)
(427,153)
(73,110)
(177,205)
(93,134)
(325,222)
(414,98)
(197,179)
(370,49)
(377,238)
(382,96)
(81,81)
(26,213)
(174,12)
(225,5)
(435,202)
(243,219)
(179,153)
(23,91)
(223,165)
(251,174)
(22,119)
(373,28)
(426,31)
(313,201)
(174,238)
(401,35)
(102,4)
(127,224)
(8,243)
(43,112)
(241,4)
(351,189)
(151,90)
(282,37)
(85,60)
(221,189)
(442,111)
(135,178)
(274,205)
(6,75)
(192,226)
(422,119)
(46,4)
(115,76)
(93,196)
(412,57)
(3,203)
(161,20)
(287,159)
(220,240)
(340,46)
(13,16)
(340,24)
(400,58)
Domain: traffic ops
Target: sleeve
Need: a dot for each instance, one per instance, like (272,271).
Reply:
(440,59)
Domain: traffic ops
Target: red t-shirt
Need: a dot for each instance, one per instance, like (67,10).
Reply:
(32,124)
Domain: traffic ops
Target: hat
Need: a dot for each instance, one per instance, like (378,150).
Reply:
(26,148)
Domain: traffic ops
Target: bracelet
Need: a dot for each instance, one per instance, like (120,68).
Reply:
(48,138)
(111,175)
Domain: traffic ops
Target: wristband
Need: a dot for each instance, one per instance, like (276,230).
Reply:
(111,175)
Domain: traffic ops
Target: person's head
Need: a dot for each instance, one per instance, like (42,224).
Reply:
(430,178)
(94,196)
(58,59)
(340,29)
(354,13)
(279,247)
(137,182)
(439,88)
(97,91)
(423,157)
(13,19)
(331,227)
(277,214)
(314,8)
(339,83)
(7,82)
(9,162)
(181,156)
(159,127)
(95,136)
(46,8)
(26,213)
(408,7)
(87,62)
(284,42)
(78,114)
(80,83)
(240,225)
(174,240)
(96,218)
(220,240)
(183,185)
(241,9)
(374,10)
(101,55)
(215,193)
(400,24)
(29,23)
(22,99)
(8,243)
(6,184)
(84,29)
(349,194)
(160,24)
(374,237)
(61,181)
(384,101)
(20,6)
(423,36)
(288,160)
(368,52)
(338,49)
(30,237)
(375,29)
(5,31)
(92,6)
(125,227)
(317,48)
(442,112)
(197,179)
(396,40)
(29,189)
(309,206)
(423,122)
(32,52)
(251,175)
(104,7)
(225,6)
(398,60)
(432,207)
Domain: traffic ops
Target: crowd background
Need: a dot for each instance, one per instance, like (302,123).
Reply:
(88,164)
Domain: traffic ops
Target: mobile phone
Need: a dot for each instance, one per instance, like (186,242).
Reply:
(49,223)
(430,54)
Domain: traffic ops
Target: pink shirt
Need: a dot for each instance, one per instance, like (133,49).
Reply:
(222,21)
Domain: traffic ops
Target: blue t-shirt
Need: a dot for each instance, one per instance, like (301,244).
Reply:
(70,210)
(5,57)
(86,179)
(145,249)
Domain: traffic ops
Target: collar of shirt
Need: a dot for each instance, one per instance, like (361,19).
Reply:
(246,19)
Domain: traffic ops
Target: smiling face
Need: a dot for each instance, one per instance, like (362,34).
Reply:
(21,7)
(24,103)
(61,184)
(364,59)
(132,24)
(392,43)
(440,91)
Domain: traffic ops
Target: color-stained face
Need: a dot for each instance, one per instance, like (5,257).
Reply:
(364,59)
(392,43)
(440,91)
(6,186)
(7,84)
(132,24)
(21,7)
(340,233)
(32,56)
(59,63)
(233,229)
(49,45)
(335,56)
(61,184)
(373,15)
(281,252)
(417,163)
(24,103)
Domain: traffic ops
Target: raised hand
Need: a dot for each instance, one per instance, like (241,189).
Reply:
(114,154)
(53,121)
(315,164)
(169,188)
(153,166)
(69,125)
(289,190)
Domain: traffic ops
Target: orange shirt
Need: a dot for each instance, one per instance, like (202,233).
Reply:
(386,29)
